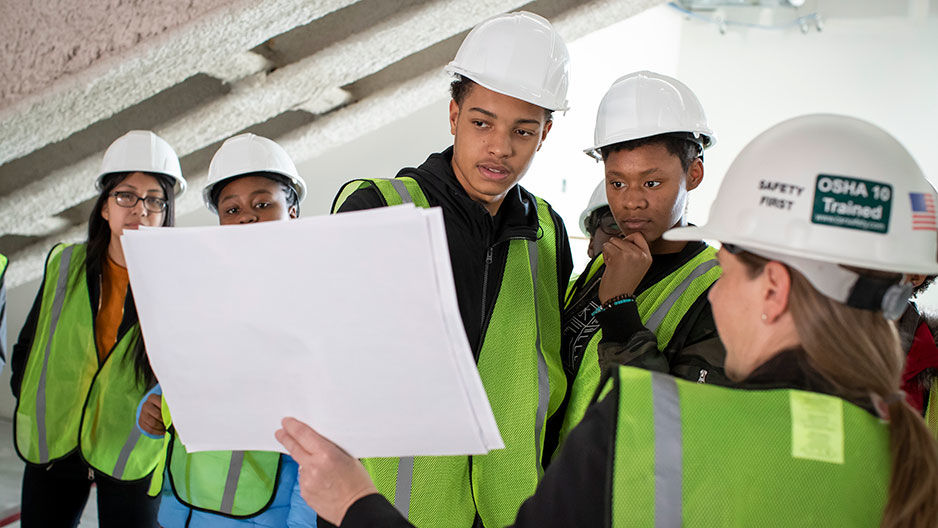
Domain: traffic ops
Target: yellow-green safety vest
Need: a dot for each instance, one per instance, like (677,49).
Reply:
(232,483)
(689,454)
(931,411)
(235,484)
(67,399)
(661,307)
(521,371)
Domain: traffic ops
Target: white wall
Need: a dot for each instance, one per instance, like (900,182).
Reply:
(561,173)
(880,69)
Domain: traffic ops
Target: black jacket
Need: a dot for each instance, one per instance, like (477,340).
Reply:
(478,242)
(576,487)
(694,353)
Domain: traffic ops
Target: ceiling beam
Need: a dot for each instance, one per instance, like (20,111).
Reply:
(110,86)
(349,123)
(312,83)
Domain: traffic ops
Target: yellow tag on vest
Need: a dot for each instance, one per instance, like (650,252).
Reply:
(817,427)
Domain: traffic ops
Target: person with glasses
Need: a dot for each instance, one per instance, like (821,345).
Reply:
(79,366)
(597,222)
(642,300)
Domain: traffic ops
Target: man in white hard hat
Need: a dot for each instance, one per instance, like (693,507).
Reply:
(511,264)
(643,300)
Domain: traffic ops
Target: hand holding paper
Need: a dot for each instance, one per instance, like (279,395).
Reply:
(331,480)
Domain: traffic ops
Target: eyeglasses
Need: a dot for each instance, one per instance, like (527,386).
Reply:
(154,204)
(604,222)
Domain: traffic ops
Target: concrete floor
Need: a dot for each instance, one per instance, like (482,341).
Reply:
(11,478)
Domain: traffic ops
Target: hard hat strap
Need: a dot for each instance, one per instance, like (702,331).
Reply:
(848,287)
(871,293)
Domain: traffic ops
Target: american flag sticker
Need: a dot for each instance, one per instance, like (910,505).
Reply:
(923,211)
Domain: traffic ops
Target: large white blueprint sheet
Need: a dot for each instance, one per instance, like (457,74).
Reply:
(347,322)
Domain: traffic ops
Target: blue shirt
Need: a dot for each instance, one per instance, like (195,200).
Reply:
(287,508)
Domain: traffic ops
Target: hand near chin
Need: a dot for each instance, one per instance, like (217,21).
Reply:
(627,261)
(330,479)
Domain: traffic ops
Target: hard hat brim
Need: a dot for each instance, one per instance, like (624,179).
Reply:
(705,232)
(179,183)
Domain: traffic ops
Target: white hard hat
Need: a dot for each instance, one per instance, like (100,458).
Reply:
(142,151)
(597,200)
(519,55)
(822,190)
(644,104)
(246,154)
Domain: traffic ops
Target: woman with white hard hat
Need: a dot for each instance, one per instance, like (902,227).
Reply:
(819,216)
(79,365)
(250,179)
(251,160)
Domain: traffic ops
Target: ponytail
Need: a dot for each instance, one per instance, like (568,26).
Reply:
(912,500)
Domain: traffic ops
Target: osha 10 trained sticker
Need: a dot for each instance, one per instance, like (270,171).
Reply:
(852,203)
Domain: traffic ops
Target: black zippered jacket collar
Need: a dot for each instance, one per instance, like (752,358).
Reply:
(516,217)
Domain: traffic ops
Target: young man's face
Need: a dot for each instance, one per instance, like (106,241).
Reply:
(253,199)
(647,192)
(496,137)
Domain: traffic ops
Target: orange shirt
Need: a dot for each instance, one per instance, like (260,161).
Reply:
(114,283)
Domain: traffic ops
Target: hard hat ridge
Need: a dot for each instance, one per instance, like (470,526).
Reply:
(644,104)
(142,151)
(516,54)
(597,200)
(246,154)
(829,189)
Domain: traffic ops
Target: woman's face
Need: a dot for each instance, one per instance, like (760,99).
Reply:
(253,199)
(736,301)
(119,217)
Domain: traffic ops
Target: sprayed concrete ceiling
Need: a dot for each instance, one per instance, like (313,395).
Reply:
(311,74)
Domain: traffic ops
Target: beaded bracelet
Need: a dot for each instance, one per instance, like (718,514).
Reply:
(615,301)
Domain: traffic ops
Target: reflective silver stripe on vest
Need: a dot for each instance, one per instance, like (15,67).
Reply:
(656,318)
(405,479)
(402,190)
(543,381)
(668,450)
(126,449)
(405,465)
(231,482)
(60,288)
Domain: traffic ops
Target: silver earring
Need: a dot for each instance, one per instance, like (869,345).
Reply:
(765,317)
